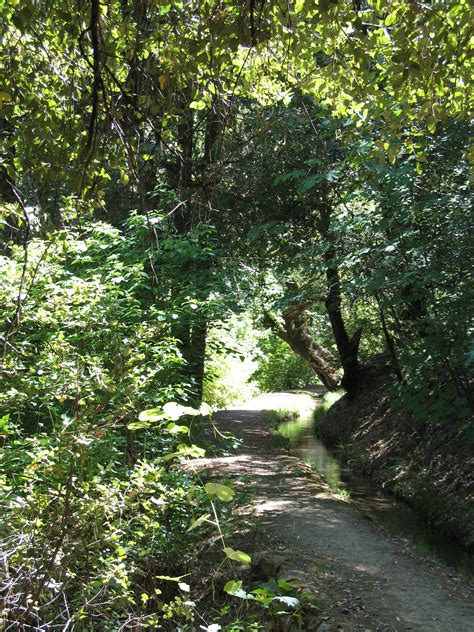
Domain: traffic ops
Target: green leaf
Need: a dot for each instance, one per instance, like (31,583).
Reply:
(174,411)
(4,96)
(175,429)
(137,425)
(222,492)
(235,589)
(232,586)
(153,414)
(192,451)
(282,583)
(171,411)
(308,183)
(391,18)
(238,556)
(165,8)
(293,602)
(4,427)
(199,521)
(197,105)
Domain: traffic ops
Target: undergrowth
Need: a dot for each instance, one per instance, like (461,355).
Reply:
(327,400)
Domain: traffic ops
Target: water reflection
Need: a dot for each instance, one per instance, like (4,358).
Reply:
(378,506)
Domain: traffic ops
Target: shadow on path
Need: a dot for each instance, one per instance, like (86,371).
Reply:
(377,582)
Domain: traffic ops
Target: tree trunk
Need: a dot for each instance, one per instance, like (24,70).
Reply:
(389,341)
(191,331)
(194,328)
(183,216)
(296,335)
(197,352)
(348,348)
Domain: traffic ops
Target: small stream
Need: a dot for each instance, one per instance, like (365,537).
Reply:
(377,505)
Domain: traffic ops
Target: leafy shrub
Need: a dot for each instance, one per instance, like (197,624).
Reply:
(229,362)
(327,400)
(95,505)
(86,536)
(89,339)
(280,368)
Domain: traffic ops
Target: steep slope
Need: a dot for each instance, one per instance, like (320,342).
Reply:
(431,466)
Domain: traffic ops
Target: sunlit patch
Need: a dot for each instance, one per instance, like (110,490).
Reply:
(273,505)
(369,570)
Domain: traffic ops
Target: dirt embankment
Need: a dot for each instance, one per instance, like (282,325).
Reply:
(431,467)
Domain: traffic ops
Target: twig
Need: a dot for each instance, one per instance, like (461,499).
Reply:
(14,321)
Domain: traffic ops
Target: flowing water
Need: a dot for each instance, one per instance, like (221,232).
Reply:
(377,505)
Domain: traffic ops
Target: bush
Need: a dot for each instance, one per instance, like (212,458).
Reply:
(87,534)
(279,367)
(229,362)
(89,340)
(95,505)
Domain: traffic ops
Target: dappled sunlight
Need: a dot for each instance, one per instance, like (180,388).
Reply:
(218,461)
(293,501)
(367,496)
(365,569)
(201,202)
(300,403)
(272,505)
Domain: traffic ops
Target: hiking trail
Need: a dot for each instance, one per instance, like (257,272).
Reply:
(367,578)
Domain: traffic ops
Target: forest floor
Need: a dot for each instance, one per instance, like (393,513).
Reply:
(366,578)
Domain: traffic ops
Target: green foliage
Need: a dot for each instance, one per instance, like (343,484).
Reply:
(327,400)
(98,511)
(87,530)
(282,600)
(279,368)
(229,361)
(88,341)
(407,63)
(418,274)
(165,169)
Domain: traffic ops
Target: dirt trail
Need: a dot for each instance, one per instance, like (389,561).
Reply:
(368,579)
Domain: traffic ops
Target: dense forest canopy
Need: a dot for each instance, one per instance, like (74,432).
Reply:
(93,75)
(282,183)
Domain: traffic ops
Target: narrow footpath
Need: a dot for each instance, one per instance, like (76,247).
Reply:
(367,578)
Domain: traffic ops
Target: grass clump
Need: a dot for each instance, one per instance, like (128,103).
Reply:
(327,400)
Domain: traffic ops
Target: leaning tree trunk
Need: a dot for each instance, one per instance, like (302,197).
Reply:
(295,333)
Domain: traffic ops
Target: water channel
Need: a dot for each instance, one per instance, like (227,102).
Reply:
(377,505)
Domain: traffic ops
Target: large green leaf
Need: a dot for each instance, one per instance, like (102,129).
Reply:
(221,491)
(237,556)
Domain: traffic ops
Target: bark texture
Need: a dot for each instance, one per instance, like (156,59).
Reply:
(295,332)
(347,346)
